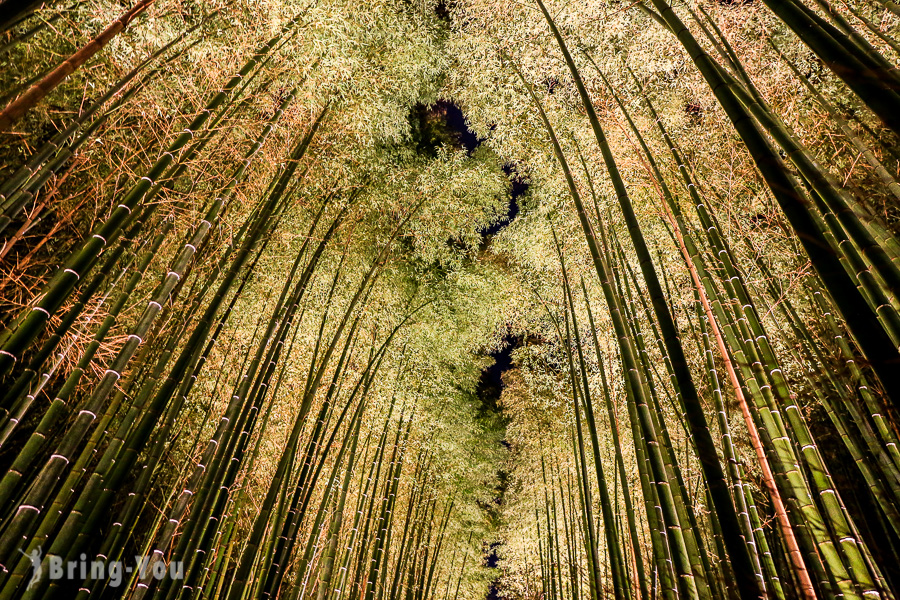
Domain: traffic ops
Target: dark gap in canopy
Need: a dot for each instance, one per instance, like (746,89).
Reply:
(491,563)
(442,11)
(517,189)
(457,122)
(438,124)
(490,388)
(443,123)
(491,384)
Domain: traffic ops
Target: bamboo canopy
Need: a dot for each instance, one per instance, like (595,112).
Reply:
(450,299)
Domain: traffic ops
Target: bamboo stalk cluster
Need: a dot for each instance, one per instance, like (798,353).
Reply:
(263,385)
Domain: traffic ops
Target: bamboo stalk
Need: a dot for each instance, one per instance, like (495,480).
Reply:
(27,100)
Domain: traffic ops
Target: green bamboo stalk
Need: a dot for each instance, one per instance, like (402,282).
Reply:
(25,328)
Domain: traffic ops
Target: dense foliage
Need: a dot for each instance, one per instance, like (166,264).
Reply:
(450,299)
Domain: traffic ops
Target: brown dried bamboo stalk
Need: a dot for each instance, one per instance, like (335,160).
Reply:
(15,109)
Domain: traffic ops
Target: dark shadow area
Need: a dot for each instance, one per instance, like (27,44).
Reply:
(442,11)
(490,386)
(874,528)
(441,123)
(491,563)
(489,390)
(518,188)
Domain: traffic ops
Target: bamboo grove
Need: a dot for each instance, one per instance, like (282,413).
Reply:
(457,299)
